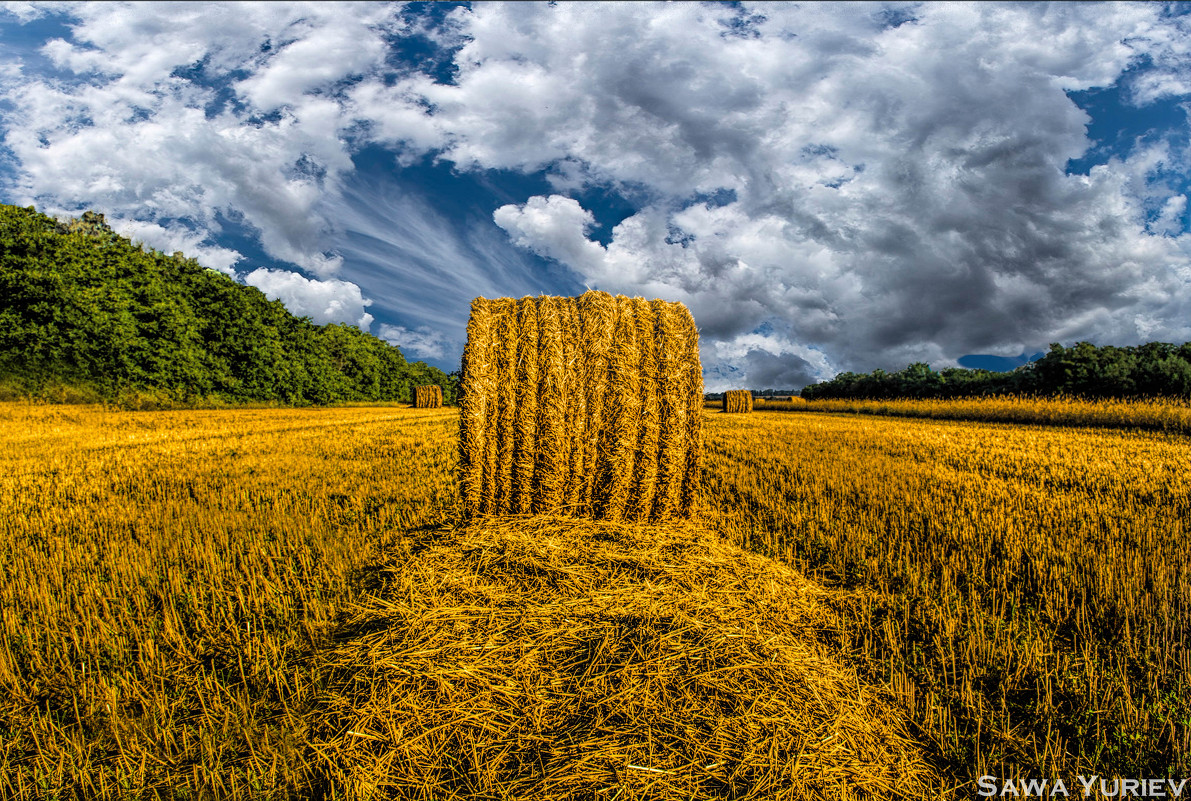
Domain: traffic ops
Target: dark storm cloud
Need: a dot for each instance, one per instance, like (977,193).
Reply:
(770,371)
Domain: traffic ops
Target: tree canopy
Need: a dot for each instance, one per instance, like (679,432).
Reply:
(83,307)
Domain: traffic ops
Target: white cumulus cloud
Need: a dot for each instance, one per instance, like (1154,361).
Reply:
(331,301)
(881,193)
(173,239)
(151,122)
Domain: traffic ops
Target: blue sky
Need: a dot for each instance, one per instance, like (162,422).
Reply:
(828,187)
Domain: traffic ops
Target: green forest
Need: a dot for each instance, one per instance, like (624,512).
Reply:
(88,315)
(1153,370)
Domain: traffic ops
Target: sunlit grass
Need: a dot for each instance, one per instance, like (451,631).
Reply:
(170,577)
(166,576)
(1162,414)
(1024,589)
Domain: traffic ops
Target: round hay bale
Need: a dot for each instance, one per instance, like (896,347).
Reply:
(672,409)
(576,419)
(692,393)
(584,407)
(506,383)
(527,406)
(646,457)
(597,321)
(619,437)
(428,396)
(473,411)
(738,401)
(553,443)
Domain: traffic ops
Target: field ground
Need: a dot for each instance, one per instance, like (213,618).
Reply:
(1025,589)
(1171,415)
(188,595)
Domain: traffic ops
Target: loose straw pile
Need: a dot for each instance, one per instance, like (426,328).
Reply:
(584,407)
(554,658)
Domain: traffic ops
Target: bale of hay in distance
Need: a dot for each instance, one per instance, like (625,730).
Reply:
(582,407)
(428,397)
(738,400)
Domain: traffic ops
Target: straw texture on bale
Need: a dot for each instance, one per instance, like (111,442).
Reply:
(555,658)
(428,397)
(738,400)
(583,407)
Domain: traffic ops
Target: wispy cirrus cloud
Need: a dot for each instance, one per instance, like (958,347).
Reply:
(424,342)
(423,266)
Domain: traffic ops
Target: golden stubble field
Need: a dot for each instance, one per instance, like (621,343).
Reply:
(165,572)
(1024,589)
(1019,593)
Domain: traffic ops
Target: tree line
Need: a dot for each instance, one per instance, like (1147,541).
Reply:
(1156,369)
(86,309)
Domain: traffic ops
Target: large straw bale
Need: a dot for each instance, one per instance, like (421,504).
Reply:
(597,320)
(738,400)
(646,457)
(554,658)
(576,417)
(428,396)
(527,406)
(553,444)
(604,395)
(673,410)
(692,394)
(620,435)
(506,387)
(474,411)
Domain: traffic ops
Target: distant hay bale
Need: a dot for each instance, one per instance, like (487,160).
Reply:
(428,397)
(738,400)
(584,407)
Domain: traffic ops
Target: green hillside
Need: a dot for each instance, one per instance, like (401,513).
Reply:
(85,314)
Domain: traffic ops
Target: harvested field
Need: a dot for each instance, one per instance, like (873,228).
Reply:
(204,582)
(1023,588)
(168,577)
(1157,414)
(183,593)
